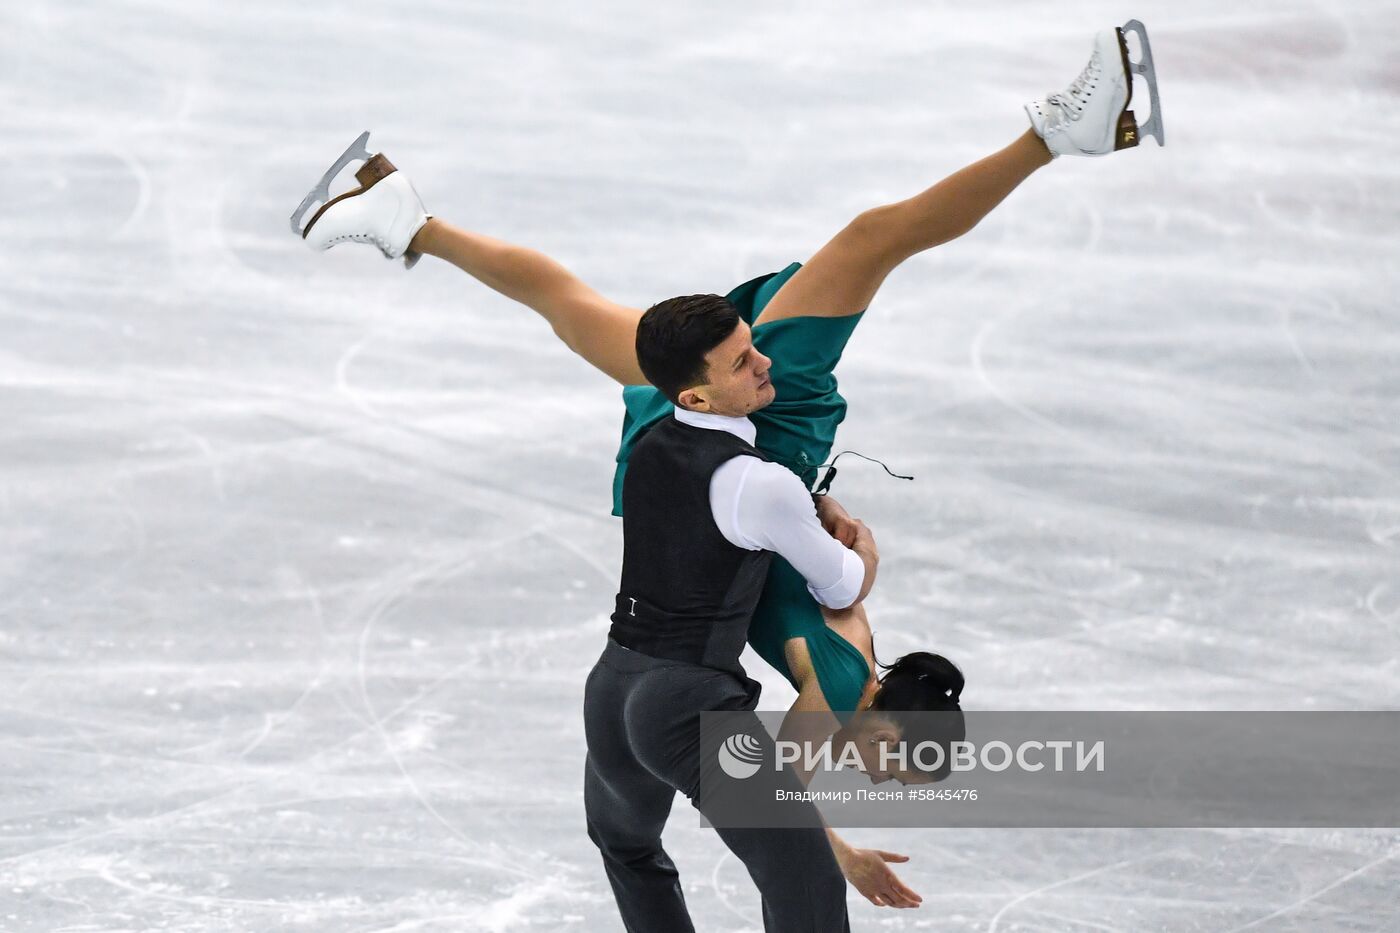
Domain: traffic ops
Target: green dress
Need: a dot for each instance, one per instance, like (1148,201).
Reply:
(797,430)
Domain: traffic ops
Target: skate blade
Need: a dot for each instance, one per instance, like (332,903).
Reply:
(321,193)
(1146,68)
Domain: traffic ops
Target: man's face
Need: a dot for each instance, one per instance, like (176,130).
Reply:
(737,378)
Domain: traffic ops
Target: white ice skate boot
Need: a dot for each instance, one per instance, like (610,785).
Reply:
(384,210)
(1091,116)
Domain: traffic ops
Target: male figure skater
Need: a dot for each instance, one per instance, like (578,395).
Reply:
(703,513)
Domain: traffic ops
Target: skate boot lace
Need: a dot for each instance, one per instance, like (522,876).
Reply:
(362,238)
(1072,100)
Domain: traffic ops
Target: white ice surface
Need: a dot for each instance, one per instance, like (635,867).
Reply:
(303,559)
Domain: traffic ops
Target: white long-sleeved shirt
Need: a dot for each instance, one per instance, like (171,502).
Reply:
(759,505)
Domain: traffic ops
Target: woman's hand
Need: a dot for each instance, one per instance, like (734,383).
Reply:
(836,520)
(868,873)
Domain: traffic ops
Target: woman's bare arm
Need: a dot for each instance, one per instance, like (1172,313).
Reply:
(810,723)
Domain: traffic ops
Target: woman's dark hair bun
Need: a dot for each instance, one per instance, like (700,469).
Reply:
(920,680)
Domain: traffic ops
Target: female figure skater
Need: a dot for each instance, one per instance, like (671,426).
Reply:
(801,318)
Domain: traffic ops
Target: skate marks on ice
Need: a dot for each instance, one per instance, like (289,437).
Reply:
(369,720)
(271,797)
(1320,893)
(66,190)
(1020,899)
(1120,881)
(1257,882)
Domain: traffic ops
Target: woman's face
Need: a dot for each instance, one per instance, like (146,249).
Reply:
(871,735)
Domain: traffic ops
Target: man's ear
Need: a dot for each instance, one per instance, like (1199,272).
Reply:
(693,400)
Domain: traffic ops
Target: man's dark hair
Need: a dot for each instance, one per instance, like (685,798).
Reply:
(674,335)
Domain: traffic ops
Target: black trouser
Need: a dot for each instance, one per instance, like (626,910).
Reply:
(641,718)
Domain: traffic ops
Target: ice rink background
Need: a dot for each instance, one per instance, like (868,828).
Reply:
(303,559)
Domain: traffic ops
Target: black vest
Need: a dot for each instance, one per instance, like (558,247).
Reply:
(687,593)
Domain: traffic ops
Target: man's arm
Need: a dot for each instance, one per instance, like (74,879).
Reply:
(851,532)
(767,508)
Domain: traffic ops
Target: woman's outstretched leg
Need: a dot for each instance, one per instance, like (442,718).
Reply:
(603,332)
(1090,117)
(385,211)
(845,274)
